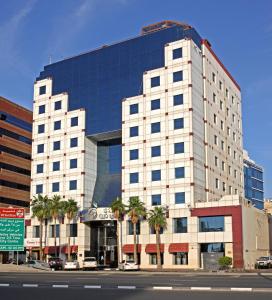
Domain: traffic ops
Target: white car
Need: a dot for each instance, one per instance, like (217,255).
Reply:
(89,263)
(71,265)
(38,264)
(128,265)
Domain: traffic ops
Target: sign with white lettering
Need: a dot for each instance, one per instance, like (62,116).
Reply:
(97,214)
(12,229)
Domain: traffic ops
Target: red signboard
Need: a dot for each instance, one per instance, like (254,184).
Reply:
(12,213)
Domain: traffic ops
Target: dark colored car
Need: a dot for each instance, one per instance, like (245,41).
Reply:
(56,263)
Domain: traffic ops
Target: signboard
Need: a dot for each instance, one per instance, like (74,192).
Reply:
(97,214)
(32,242)
(12,229)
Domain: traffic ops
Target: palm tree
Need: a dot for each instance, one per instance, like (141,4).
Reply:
(71,210)
(39,206)
(136,210)
(54,212)
(118,208)
(61,217)
(157,220)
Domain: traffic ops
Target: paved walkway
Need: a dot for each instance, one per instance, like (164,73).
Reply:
(15,268)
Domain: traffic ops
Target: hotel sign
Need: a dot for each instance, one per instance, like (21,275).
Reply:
(12,229)
(97,214)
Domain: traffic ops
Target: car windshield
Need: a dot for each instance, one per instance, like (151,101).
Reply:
(130,262)
(263,258)
(90,259)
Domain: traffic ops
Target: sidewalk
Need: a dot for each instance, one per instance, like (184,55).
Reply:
(21,269)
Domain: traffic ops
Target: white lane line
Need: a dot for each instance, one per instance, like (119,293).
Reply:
(60,285)
(241,289)
(162,287)
(201,288)
(29,285)
(92,286)
(126,287)
(4,284)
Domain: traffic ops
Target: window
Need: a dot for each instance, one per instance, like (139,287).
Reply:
(211,224)
(72,230)
(39,189)
(214,118)
(223,166)
(177,53)
(178,99)
(41,128)
(220,85)
(130,228)
(57,105)
(227,93)
(217,183)
(74,121)
(177,76)
(230,190)
(180,225)
(40,148)
(215,140)
(72,185)
(155,81)
(228,131)
(73,163)
(216,161)
(134,177)
(156,175)
(222,145)
(55,187)
(179,172)
(155,127)
(180,258)
(73,142)
(36,231)
(229,170)
(56,166)
(133,131)
(56,145)
(180,198)
(152,230)
(153,258)
(229,150)
(41,109)
(155,104)
(156,151)
(235,173)
(57,125)
(213,77)
(224,186)
(133,109)
(234,136)
(52,231)
(178,123)
(39,168)
(179,148)
(156,199)
(214,97)
(133,154)
(234,154)
(222,125)
(42,90)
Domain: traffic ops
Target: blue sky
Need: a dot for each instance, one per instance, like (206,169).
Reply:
(240,32)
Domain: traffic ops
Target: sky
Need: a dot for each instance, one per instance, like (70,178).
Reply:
(33,32)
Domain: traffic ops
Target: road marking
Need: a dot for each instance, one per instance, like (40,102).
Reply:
(241,289)
(126,287)
(29,285)
(92,286)
(162,287)
(200,288)
(60,285)
(4,284)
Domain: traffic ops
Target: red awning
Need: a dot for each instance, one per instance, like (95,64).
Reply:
(178,247)
(152,248)
(64,249)
(129,248)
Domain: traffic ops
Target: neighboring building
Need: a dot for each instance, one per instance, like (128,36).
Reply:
(253,180)
(15,154)
(158,117)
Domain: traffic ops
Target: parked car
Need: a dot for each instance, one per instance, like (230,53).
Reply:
(89,263)
(56,263)
(71,265)
(264,262)
(128,265)
(38,264)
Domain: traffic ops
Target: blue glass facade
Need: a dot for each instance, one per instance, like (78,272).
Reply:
(253,184)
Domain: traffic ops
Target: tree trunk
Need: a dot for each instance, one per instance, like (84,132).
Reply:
(120,240)
(55,236)
(135,244)
(118,245)
(41,248)
(158,243)
(68,248)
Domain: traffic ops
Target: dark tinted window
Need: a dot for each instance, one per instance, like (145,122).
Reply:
(155,81)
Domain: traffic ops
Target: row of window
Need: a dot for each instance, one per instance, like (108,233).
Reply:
(56,166)
(224,187)
(57,125)
(71,231)
(156,104)
(221,105)
(56,187)
(57,145)
(156,127)
(176,77)
(222,145)
(156,151)
(179,225)
(223,167)
(57,106)
(156,175)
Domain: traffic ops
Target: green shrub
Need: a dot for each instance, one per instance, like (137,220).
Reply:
(225,261)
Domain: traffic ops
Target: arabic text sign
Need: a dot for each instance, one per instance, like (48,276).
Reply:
(12,226)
